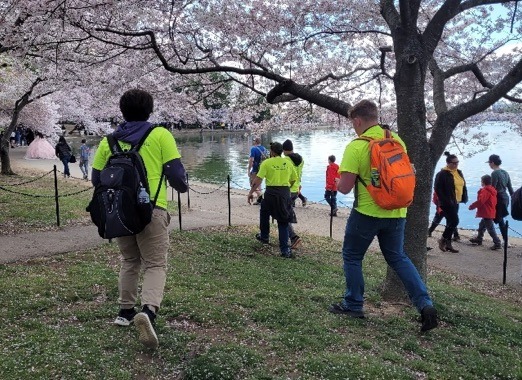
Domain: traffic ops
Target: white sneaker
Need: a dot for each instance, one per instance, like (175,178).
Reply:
(125,317)
(147,335)
(121,321)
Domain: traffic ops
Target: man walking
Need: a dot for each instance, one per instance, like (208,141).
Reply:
(148,249)
(257,154)
(298,163)
(368,220)
(85,152)
(280,175)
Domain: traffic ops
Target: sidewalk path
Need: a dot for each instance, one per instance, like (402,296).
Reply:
(209,207)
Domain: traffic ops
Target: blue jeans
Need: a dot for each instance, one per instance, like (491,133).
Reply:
(65,161)
(360,231)
(330,197)
(264,227)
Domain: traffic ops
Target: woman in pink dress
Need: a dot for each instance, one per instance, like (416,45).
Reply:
(40,148)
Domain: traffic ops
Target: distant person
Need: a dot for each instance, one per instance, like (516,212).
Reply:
(85,153)
(367,220)
(451,190)
(40,148)
(279,175)
(437,218)
(64,153)
(148,250)
(501,181)
(332,179)
(12,139)
(486,204)
(298,163)
(29,136)
(257,153)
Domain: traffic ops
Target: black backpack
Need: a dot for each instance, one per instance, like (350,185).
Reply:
(121,205)
(516,205)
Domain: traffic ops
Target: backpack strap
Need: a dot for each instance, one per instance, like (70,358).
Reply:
(368,139)
(113,144)
(158,189)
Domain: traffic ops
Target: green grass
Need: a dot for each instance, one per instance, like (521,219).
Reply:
(31,206)
(233,309)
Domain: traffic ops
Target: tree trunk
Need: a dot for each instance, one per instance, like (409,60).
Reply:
(409,82)
(4,155)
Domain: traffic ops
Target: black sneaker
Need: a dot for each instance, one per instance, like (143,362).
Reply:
(145,322)
(260,239)
(337,308)
(496,247)
(288,255)
(296,241)
(334,212)
(475,241)
(125,317)
(429,318)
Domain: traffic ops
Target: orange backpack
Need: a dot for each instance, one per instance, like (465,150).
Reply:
(392,175)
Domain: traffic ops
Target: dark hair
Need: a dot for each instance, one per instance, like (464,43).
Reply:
(62,140)
(486,179)
(288,146)
(276,147)
(331,158)
(84,141)
(449,157)
(136,105)
(365,109)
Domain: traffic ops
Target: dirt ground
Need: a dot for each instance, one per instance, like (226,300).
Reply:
(209,207)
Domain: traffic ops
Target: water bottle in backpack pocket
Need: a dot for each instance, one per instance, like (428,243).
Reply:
(121,204)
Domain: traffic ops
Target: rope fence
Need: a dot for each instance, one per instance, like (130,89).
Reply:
(57,196)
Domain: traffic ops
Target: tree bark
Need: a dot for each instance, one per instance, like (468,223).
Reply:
(409,82)
(4,154)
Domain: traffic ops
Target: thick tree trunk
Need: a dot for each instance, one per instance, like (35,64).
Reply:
(4,155)
(409,84)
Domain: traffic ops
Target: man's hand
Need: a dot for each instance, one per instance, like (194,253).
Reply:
(250,198)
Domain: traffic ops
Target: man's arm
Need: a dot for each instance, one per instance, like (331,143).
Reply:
(250,164)
(255,184)
(176,175)
(346,182)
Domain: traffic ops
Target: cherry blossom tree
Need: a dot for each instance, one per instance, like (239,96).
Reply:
(432,66)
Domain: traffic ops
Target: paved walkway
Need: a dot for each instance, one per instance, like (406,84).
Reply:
(209,207)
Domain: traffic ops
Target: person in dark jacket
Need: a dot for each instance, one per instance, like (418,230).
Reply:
(501,181)
(64,152)
(451,190)
(280,175)
(486,205)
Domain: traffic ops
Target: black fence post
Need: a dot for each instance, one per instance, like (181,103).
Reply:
(331,224)
(505,236)
(188,192)
(229,204)
(56,196)
(179,210)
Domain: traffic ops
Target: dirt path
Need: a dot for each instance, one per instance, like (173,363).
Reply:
(209,207)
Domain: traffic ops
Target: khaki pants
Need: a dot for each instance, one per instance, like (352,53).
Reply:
(148,249)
